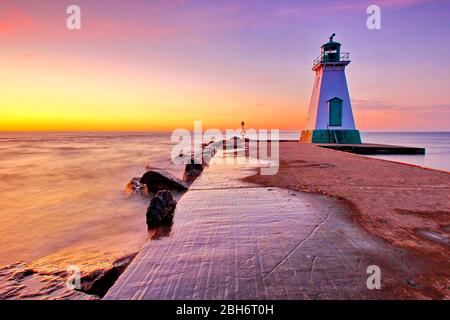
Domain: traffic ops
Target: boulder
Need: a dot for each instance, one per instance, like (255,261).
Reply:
(157,180)
(98,282)
(191,172)
(210,150)
(161,210)
(193,169)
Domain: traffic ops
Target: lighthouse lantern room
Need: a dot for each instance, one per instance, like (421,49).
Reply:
(330,116)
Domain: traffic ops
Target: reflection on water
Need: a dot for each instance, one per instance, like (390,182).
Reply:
(62,198)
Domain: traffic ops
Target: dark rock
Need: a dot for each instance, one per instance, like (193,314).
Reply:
(210,150)
(157,180)
(98,282)
(23,274)
(193,169)
(191,172)
(161,209)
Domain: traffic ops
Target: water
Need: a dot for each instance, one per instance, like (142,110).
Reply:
(437,145)
(62,199)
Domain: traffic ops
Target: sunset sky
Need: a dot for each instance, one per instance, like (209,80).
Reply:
(160,65)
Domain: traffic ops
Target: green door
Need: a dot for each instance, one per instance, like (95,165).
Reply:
(335,112)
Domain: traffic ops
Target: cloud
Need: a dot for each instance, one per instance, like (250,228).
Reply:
(402,3)
(97,23)
(310,11)
(157,20)
(5,27)
(347,6)
(129,29)
(383,106)
(365,105)
(14,19)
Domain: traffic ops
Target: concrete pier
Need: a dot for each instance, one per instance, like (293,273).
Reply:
(372,148)
(235,237)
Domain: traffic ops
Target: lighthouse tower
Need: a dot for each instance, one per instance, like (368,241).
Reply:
(330,116)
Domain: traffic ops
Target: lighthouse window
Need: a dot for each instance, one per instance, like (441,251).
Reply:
(335,112)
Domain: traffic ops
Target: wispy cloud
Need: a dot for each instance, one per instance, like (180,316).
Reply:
(345,6)
(14,19)
(383,106)
(311,11)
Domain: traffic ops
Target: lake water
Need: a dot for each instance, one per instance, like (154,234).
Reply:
(437,145)
(62,199)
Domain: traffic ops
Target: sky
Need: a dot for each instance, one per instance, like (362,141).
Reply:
(158,65)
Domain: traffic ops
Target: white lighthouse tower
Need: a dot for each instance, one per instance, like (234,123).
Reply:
(330,116)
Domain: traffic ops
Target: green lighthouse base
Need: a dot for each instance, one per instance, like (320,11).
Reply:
(331,136)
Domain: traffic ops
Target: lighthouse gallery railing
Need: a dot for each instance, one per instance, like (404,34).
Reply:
(332,57)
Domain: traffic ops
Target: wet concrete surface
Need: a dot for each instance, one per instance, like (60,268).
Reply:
(238,240)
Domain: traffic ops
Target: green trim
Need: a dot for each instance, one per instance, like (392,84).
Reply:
(335,112)
(331,136)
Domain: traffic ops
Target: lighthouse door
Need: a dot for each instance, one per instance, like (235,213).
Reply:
(335,112)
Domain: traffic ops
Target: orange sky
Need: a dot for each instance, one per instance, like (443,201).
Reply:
(162,65)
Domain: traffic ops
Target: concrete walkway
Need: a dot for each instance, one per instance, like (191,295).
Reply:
(237,240)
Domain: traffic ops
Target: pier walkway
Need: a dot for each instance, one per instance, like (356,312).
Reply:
(239,240)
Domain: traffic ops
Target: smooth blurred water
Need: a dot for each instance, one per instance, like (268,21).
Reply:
(437,145)
(62,199)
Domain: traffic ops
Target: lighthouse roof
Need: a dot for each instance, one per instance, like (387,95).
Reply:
(331,43)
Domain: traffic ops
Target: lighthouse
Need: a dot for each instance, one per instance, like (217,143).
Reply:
(330,116)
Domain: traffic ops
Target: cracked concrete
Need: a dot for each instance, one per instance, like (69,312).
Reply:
(232,239)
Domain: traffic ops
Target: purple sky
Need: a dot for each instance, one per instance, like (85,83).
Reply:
(218,60)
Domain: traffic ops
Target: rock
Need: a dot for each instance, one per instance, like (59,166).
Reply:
(161,209)
(98,282)
(157,180)
(192,170)
(134,187)
(210,150)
